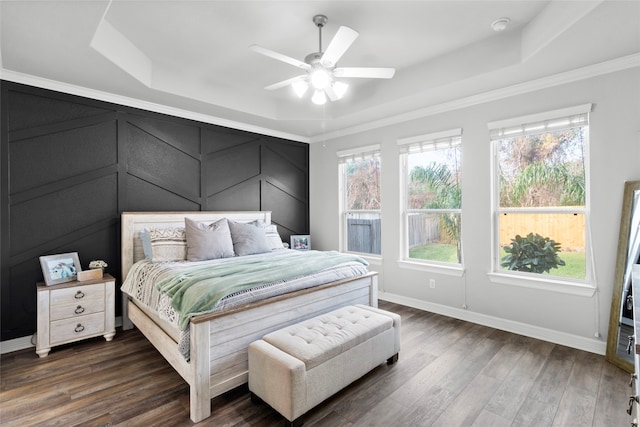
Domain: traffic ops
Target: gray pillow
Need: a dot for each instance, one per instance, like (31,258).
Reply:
(248,238)
(208,241)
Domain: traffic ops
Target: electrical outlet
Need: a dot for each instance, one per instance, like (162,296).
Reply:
(432,283)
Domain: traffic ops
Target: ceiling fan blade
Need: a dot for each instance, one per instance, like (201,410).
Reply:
(279,56)
(365,72)
(333,96)
(286,82)
(338,46)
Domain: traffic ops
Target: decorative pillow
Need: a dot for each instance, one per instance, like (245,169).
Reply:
(248,238)
(164,244)
(145,239)
(273,237)
(208,241)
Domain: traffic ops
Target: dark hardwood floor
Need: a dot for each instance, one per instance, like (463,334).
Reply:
(450,373)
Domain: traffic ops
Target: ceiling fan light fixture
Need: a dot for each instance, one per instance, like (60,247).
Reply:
(320,78)
(340,89)
(319,98)
(321,67)
(300,88)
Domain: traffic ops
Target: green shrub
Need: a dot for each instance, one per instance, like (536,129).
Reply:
(534,253)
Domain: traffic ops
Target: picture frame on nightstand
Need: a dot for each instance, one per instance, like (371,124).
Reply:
(301,242)
(60,268)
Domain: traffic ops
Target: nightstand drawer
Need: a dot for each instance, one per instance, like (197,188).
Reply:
(76,309)
(72,311)
(73,329)
(77,294)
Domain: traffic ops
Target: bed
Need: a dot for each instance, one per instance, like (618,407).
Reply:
(218,341)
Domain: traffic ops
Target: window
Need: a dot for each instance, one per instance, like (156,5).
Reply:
(360,183)
(431,180)
(540,194)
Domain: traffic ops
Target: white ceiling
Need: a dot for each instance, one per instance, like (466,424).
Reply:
(193,56)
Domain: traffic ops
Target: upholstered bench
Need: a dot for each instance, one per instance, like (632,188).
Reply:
(297,367)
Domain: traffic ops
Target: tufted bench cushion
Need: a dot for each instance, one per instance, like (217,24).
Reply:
(297,367)
(322,338)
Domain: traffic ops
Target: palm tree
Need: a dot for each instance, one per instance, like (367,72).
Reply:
(541,184)
(435,187)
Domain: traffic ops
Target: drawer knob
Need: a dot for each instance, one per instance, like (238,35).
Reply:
(79,328)
(79,295)
(79,309)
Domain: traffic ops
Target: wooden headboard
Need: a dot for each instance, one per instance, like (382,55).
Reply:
(134,222)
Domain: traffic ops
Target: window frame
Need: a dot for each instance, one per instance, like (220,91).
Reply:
(344,157)
(516,126)
(420,143)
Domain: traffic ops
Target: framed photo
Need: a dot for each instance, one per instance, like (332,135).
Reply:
(301,242)
(60,268)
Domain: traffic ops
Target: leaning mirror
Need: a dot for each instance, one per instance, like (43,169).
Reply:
(620,343)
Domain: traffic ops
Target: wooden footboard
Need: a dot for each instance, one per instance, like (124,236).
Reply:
(219,341)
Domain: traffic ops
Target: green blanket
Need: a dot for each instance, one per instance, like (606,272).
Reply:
(199,289)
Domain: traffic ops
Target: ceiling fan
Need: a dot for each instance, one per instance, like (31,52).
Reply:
(321,69)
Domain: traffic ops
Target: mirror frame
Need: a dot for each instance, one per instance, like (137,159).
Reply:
(623,247)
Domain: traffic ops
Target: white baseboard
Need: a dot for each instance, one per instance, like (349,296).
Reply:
(562,338)
(587,344)
(23,343)
(16,344)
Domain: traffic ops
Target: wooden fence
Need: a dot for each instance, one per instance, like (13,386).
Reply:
(423,230)
(363,235)
(565,228)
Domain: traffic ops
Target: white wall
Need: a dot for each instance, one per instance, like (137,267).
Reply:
(580,321)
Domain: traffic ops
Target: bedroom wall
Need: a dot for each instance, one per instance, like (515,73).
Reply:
(574,320)
(70,165)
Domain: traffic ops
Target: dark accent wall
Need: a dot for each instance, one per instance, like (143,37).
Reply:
(70,165)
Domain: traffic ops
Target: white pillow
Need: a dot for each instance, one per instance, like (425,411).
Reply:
(164,244)
(273,237)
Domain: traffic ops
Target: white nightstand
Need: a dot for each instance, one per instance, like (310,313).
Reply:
(73,311)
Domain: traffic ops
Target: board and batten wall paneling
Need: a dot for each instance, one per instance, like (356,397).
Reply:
(70,165)
(162,165)
(59,191)
(285,188)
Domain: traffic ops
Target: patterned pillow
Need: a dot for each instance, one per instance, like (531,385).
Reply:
(164,244)
(208,241)
(273,237)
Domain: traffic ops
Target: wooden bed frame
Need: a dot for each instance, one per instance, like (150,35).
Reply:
(219,341)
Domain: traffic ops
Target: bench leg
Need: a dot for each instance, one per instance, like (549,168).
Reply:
(295,423)
(255,399)
(393,359)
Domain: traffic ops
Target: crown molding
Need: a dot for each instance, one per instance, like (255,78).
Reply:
(602,68)
(70,89)
(607,67)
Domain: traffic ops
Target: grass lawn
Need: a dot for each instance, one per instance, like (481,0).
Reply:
(435,252)
(575,261)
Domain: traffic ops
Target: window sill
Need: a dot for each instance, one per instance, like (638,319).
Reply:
(449,270)
(552,285)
